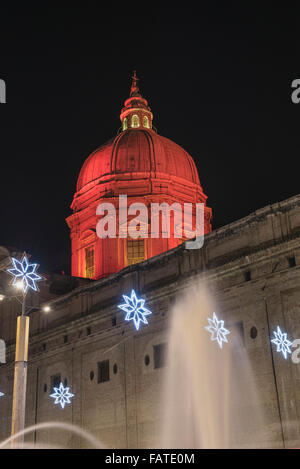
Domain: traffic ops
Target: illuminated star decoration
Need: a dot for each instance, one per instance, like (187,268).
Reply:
(1,394)
(217,330)
(135,310)
(282,342)
(62,395)
(25,274)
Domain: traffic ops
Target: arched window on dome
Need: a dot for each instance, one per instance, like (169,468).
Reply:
(135,121)
(146,122)
(125,124)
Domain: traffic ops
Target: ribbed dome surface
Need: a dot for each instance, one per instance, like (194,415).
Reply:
(137,151)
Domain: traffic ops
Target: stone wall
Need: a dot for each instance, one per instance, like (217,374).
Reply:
(85,327)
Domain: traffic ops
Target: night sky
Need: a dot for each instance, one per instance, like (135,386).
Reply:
(218,80)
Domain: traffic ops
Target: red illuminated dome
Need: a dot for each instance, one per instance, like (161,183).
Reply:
(136,152)
(147,168)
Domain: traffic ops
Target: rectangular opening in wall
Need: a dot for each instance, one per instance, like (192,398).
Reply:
(90,262)
(135,251)
(103,371)
(247,276)
(292,262)
(159,355)
(55,380)
(238,334)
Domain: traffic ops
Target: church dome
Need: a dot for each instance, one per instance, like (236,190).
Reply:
(142,167)
(137,153)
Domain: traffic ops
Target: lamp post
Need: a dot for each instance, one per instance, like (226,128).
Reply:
(24,278)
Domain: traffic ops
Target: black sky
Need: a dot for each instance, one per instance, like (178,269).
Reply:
(218,80)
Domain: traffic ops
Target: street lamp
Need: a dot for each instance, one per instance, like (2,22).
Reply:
(24,278)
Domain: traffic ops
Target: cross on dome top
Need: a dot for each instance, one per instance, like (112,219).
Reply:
(134,85)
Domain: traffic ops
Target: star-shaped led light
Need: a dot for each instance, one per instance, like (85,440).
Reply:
(282,342)
(62,395)
(24,274)
(217,330)
(135,310)
(1,394)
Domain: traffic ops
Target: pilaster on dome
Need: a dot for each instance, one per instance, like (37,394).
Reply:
(136,113)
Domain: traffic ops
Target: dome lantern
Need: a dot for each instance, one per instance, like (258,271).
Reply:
(136,112)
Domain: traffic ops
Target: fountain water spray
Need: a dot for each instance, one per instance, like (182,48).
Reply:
(209,398)
(66,427)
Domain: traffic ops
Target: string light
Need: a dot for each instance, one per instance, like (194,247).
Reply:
(217,330)
(62,395)
(282,342)
(24,274)
(135,310)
